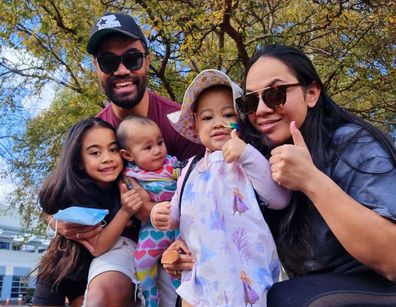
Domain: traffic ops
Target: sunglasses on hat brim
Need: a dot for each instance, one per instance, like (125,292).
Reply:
(109,63)
(273,97)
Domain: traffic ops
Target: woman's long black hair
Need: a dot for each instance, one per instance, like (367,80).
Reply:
(293,234)
(68,184)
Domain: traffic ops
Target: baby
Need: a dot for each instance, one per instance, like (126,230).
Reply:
(143,146)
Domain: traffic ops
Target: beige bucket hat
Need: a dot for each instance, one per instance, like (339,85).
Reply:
(183,120)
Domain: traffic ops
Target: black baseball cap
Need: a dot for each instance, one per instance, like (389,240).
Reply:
(114,23)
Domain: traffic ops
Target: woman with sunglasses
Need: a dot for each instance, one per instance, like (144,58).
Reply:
(337,239)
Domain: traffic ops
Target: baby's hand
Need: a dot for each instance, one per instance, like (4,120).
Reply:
(160,216)
(130,199)
(233,148)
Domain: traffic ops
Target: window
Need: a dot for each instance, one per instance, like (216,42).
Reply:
(28,248)
(4,245)
(19,286)
(16,247)
(1,282)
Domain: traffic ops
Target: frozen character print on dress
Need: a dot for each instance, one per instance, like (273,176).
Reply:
(239,205)
(251,296)
(226,236)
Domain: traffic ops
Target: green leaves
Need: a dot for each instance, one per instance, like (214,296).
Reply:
(351,43)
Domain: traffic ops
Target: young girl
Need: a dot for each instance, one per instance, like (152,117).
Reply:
(220,220)
(143,146)
(85,175)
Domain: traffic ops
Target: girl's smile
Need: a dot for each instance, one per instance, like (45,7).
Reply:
(101,156)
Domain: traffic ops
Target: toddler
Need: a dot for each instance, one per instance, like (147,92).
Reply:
(218,212)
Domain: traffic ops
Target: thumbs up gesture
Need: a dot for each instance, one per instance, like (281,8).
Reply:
(291,164)
(297,136)
(233,148)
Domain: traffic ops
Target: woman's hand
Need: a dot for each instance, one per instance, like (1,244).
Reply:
(185,260)
(292,165)
(233,148)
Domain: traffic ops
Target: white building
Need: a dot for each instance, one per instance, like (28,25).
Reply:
(19,256)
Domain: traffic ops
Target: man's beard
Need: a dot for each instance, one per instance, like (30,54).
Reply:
(126,101)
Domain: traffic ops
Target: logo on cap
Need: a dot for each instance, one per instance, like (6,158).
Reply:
(108,21)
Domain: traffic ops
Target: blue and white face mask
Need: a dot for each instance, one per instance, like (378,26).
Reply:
(81,215)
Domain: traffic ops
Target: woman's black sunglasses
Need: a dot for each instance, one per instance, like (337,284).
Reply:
(109,63)
(273,97)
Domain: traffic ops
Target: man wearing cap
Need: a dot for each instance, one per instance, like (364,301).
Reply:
(122,62)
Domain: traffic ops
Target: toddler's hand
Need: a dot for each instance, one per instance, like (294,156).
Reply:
(130,199)
(233,148)
(160,216)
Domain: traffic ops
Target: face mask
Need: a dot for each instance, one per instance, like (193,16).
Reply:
(81,215)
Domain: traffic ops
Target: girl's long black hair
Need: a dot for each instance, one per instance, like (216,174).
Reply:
(293,233)
(69,184)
